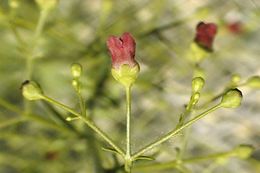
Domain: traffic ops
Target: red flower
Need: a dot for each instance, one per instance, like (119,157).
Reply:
(205,35)
(122,50)
(235,27)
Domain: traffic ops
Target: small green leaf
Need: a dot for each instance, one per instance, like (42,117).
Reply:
(110,150)
(144,158)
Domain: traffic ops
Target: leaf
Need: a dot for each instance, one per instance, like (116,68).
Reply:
(110,150)
(145,158)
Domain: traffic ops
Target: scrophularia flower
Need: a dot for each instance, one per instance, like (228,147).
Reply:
(235,27)
(124,66)
(205,34)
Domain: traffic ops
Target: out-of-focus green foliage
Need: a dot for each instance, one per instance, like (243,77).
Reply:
(76,31)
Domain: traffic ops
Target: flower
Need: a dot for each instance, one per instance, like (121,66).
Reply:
(235,27)
(122,50)
(205,35)
(124,66)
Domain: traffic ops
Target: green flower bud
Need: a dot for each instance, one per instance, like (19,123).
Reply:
(235,79)
(254,82)
(76,70)
(31,90)
(232,98)
(14,3)
(197,84)
(126,75)
(47,4)
(195,98)
(243,151)
(76,85)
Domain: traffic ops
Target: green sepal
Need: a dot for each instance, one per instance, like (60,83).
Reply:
(197,52)
(31,90)
(232,98)
(126,75)
(197,84)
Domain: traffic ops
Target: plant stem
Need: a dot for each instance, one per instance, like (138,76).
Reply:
(128,161)
(91,142)
(174,132)
(88,122)
(174,163)
(128,121)
(37,34)
(35,117)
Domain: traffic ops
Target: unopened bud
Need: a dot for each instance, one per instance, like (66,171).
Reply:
(195,98)
(31,90)
(197,84)
(232,98)
(14,3)
(76,70)
(75,84)
(254,82)
(47,4)
(235,79)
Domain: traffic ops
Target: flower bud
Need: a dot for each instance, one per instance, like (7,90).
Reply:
(195,98)
(232,98)
(235,79)
(76,70)
(47,4)
(14,3)
(31,90)
(254,82)
(76,85)
(125,69)
(197,84)
(243,151)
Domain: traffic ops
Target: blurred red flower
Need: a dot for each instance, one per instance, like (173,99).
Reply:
(205,34)
(235,27)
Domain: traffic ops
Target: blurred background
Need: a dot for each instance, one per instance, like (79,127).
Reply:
(76,31)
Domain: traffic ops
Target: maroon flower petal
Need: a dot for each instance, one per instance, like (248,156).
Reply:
(122,50)
(205,35)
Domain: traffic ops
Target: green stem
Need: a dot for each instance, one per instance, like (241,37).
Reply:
(97,168)
(174,132)
(174,163)
(128,161)
(82,105)
(11,122)
(37,34)
(128,121)
(183,117)
(88,122)
(35,117)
